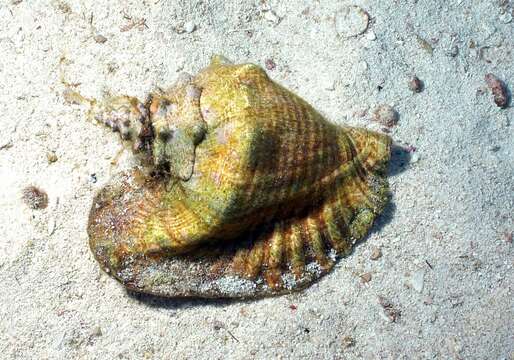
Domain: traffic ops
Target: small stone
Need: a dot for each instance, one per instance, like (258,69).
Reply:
(415,158)
(351,21)
(385,115)
(51,157)
(217,325)
(189,27)
(415,84)
(63,7)
(35,198)
(270,64)
(347,341)
(100,39)
(425,45)
(453,51)
(498,89)
(365,278)
(390,313)
(271,16)
(371,36)
(376,253)
(506,17)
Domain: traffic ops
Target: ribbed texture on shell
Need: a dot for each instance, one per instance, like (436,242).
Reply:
(277,192)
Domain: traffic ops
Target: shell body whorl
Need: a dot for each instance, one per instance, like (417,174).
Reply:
(262,192)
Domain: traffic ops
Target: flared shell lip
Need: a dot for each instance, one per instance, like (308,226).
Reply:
(134,281)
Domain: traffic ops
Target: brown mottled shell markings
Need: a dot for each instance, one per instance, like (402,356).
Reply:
(256,193)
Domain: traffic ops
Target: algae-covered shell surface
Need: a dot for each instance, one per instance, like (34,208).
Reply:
(245,189)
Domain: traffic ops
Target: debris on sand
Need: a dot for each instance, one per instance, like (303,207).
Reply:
(385,115)
(269,14)
(270,64)
(51,157)
(376,254)
(390,313)
(415,84)
(189,27)
(351,21)
(365,278)
(100,39)
(34,198)
(498,89)
(347,342)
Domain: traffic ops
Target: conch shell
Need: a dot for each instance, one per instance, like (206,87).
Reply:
(251,191)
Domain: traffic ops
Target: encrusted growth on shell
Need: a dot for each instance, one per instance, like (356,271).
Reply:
(259,194)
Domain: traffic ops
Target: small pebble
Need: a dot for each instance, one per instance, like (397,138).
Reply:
(415,84)
(100,39)
(425,45)
(371,36)
(217,325)
(347,341)
(51,157)
(385,115)
(270,64)
(189,27)
(389,313)
(271,16)
(351,21)
(415,158)
(365,278)
(376,253)
(506,17)
(453,51)
(498,89)
(35,198)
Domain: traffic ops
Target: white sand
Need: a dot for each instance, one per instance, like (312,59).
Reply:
(452,204)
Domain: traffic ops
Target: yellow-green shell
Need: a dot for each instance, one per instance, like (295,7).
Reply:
(260,204)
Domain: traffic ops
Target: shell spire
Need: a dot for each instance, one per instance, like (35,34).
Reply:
(259,197)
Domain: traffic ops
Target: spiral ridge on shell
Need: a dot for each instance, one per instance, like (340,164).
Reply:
(252,192)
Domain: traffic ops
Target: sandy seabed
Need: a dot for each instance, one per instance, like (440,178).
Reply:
(443,285)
